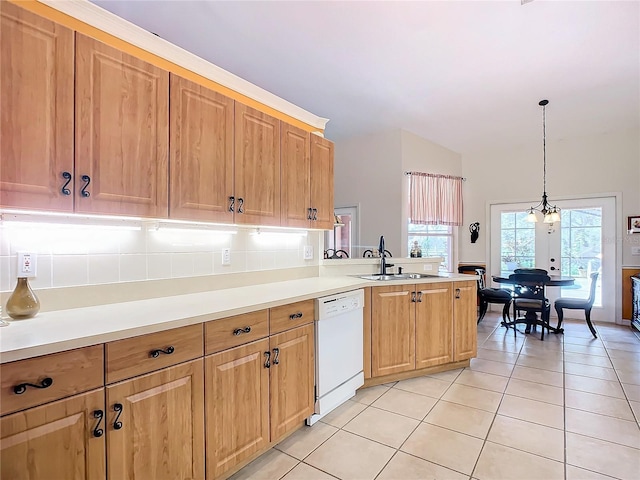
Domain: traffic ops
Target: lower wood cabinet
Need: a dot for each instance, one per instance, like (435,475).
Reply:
(422,325)
(60,440)
(155,425)
(255,394)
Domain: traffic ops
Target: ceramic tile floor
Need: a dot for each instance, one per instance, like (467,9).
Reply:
(566,408)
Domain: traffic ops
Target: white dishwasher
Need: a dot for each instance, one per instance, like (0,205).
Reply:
(339,343)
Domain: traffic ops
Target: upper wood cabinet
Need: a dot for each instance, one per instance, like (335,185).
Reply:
(36,98)
(257,167)
(201,158)
(121,132)
(63,439)
(322,182)
(307,179)
(296,174)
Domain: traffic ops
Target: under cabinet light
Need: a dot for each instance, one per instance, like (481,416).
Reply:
(279,233)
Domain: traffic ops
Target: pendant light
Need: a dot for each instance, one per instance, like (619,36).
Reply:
(550,213)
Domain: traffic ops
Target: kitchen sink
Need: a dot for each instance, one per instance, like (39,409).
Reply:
(397,276)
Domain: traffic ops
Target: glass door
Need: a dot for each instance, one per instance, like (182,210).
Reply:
(575,247)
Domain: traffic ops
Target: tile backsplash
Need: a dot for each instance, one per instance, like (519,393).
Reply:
(76,255)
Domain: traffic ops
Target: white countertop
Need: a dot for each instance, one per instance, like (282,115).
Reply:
(52,332)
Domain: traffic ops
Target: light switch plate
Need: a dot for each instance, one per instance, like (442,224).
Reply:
(27,263)
(635,250)
(308,252)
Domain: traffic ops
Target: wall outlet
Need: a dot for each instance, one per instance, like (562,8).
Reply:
(226,256)
(26,264)
(427,267)
(308,252)
(635,250)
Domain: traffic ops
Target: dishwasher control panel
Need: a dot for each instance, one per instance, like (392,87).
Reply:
(340,303)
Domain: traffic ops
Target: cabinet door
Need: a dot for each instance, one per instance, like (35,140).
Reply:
(393,330)
(434,324)
(322,182)
(55,441)
(465,330)
(257,167)
(201,158)
(122,132)
(161,434)
(292,379)
(237,405)
(296,201)
(36,125)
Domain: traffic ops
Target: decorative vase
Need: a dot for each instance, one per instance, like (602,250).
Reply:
(23,302)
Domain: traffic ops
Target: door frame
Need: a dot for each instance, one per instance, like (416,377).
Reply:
(618,226)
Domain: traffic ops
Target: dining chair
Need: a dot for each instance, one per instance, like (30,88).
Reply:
(579,304)
(486,296)
(529,297)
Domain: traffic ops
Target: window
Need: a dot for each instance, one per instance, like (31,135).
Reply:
(517,242)
(434,240)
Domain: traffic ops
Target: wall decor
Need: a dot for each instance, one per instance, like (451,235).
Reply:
(634,224)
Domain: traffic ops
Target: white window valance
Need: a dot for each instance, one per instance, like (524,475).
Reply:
(435,199)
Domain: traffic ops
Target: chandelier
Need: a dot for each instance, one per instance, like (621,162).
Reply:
(550,213)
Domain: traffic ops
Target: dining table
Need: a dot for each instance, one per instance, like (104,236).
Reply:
(531,318)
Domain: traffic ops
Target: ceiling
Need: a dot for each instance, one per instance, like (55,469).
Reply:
(467,75)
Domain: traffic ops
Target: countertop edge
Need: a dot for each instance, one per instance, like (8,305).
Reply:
(51,332)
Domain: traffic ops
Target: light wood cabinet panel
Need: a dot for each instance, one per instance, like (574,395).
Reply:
(201,157)
(322,151)
(69,372)
(392,330)
(232,331)
(291,377)
(290,316)
(36,125)
(122,132)
(257,167)
(143,354)
(464,320)
(366,334)
(296,197)
(434,324)
(162,425)
(237,406)
(55,441)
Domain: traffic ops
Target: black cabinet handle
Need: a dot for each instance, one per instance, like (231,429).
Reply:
(117,407)
(267,362)
(315,214)
(276,354)
(97,431)
(240,331)
(156,353)
(413,296)
(87,180)
(67,177)
(232,203)
(296,315)
(420,297)
(457,293)
(309,213)
(20,389)
(240,204)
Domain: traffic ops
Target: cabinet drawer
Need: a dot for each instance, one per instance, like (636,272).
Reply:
(291,315)
(232,331)
(66,373)
(135,356)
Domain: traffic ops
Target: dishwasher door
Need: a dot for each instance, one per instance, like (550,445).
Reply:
(339,350)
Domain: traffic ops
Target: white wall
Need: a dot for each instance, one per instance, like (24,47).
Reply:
(369,172)
(607,163)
